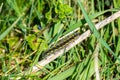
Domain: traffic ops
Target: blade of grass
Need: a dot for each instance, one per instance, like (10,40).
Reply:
(64,74)
(94,30)
(9,29)
(14,5)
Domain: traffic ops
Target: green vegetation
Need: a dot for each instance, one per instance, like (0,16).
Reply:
(29,27)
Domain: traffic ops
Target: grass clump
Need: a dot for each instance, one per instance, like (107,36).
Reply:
(28,28)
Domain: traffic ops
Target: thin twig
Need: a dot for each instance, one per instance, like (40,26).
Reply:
(80,38)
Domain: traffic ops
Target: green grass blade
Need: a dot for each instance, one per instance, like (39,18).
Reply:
(64,74)
(94,30)
(14,5)
(9,29)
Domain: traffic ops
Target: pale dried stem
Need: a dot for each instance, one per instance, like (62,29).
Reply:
(96,62)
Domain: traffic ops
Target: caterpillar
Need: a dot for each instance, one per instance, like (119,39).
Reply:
(62,43)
